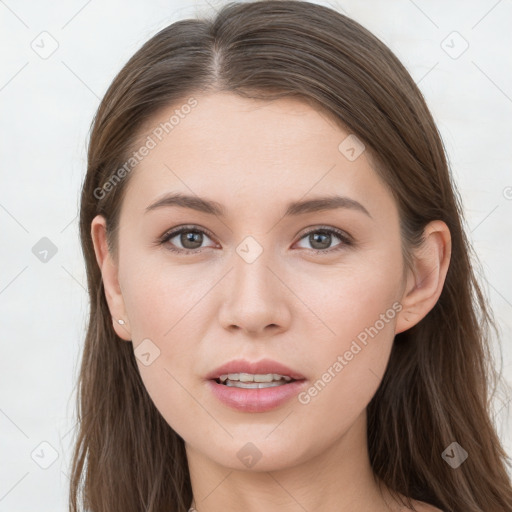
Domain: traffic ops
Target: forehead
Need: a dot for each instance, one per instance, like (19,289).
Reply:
(251,150)
(225,122)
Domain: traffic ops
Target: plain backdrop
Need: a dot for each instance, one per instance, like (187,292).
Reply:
(58,59)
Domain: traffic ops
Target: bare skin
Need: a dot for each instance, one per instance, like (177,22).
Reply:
(291,304)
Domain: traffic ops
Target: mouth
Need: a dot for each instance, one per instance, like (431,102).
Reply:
(255,386)
(253,396)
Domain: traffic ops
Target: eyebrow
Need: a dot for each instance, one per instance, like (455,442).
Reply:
(294,208)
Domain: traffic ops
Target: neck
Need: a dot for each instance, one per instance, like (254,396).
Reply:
(339,479)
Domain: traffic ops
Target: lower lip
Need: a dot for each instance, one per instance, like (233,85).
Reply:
(255,400)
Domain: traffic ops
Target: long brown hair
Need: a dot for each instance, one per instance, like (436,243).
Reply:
(441,376)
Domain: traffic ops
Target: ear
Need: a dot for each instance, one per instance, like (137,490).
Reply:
(109,273)
(425,281)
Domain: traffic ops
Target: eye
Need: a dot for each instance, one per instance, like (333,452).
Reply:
(322,237)
(188,239)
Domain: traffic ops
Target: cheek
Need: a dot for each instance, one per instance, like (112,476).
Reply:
(357,307)
(160,297)
(351,297)
(167,307)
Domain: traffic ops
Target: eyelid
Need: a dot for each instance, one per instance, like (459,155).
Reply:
(185,227)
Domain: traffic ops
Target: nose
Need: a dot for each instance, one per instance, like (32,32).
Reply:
(256,300)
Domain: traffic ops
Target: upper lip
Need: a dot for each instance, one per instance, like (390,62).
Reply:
(261,367)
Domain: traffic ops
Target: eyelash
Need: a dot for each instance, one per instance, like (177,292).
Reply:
(344,237)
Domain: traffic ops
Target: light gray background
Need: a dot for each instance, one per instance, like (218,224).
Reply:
(47,105)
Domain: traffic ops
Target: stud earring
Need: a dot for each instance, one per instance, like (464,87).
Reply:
(121,321)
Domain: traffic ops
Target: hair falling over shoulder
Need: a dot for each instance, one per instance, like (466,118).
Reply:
(441,377)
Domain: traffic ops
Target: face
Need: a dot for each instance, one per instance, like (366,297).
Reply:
(316,290)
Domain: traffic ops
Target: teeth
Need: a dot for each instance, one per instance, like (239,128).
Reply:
(258,378)
(254,385)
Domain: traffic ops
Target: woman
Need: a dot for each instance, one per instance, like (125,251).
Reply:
(283,311)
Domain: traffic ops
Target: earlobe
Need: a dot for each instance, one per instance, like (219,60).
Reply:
(425,281)
(109,274)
